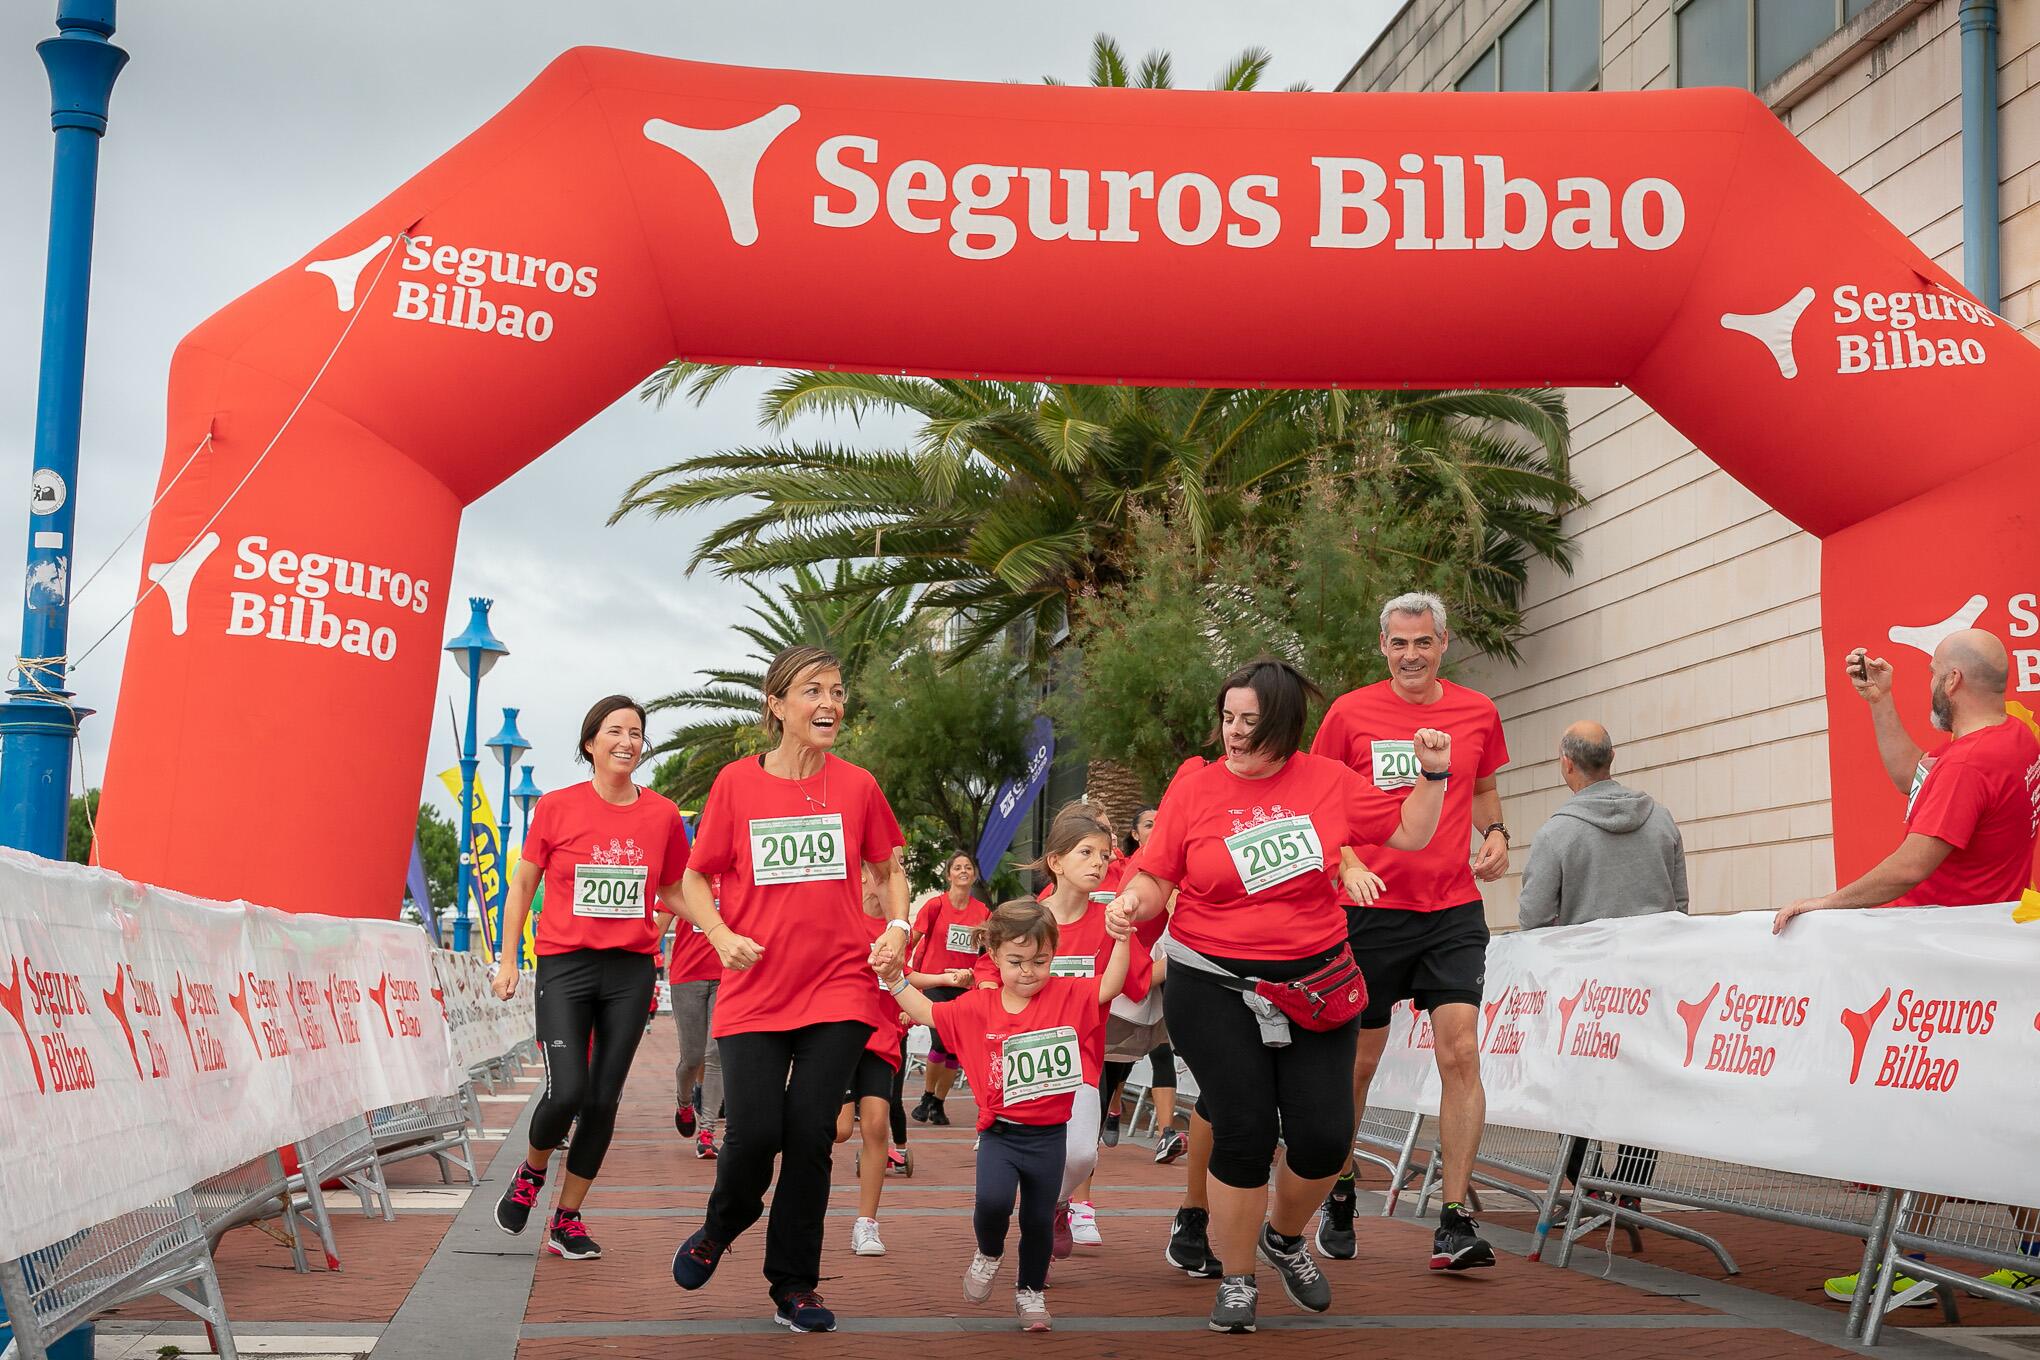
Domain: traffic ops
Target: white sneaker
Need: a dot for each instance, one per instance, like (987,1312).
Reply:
(977,1277)
(864,1238)
(1084,1224)
(1032,1306)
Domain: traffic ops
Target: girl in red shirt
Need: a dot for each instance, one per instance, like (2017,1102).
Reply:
(790,832)
(874,1085)
(944,948)
(1023,1045)
(611,855)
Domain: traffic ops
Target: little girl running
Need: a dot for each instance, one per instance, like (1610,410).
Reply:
(1025,1046)
(873,1096)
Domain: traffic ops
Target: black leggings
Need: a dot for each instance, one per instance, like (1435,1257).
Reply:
(899,1104)
(1027,1158)
(1162,1062)
(783,1090)
(598,993)
(1250,1092)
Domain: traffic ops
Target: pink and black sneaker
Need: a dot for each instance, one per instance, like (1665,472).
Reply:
(568,1237)
(513,1211)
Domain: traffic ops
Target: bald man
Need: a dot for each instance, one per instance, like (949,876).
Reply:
(1973,802)
(1607,851)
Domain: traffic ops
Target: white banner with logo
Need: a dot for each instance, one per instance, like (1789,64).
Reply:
(482,1027)
(1886,1047)
(149,1040)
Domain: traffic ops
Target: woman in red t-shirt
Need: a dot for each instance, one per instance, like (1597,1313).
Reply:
(1250,844)
(694,971)
(945,946)
(611,855)
(790,832)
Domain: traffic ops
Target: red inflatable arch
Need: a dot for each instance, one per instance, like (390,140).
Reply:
(626,209)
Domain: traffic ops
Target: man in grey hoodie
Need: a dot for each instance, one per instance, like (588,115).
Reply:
(1607,852)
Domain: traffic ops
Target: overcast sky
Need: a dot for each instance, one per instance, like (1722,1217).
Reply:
(245,131)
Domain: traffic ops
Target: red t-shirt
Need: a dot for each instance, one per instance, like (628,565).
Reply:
(808,915)
(694,959)
(1216,831)
(604,864)
(944,945)
(885,1016)
(1083,949)
(1371,729)
(1982,796)
(976,1026)
(1117,870)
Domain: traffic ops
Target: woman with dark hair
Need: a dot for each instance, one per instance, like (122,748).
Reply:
(945,947)
(1250,844)
(611,855)
(790,832)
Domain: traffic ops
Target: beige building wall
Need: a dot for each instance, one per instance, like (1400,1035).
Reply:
(1691,622)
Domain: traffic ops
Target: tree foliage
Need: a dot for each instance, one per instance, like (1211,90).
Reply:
(78,827)
(439,848)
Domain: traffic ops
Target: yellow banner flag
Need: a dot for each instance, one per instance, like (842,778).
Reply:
(487,870)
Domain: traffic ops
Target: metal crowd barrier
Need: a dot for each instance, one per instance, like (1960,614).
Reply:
(1388,1139)
(1992,1235)
(437,1128)
(345,1152)
(160,1249)
(250,1193)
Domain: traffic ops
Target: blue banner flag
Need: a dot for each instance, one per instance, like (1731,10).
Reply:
(1015,796)
(421,892)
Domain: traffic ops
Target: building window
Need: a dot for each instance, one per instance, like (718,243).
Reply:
(1750,43)
(1550,45)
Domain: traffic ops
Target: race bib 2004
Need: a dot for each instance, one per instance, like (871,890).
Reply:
(614,891)
(798,849)
(1275,852)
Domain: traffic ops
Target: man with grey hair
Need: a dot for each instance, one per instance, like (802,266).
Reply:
(1609,851)
(1417,926)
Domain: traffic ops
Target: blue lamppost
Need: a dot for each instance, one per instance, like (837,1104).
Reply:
(474,651)
(509,746)
(38,722)
(527,793)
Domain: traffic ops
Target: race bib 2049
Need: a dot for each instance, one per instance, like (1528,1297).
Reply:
(1395,764)
(614,891)
(1044,1063)
(1275,852)
(798,849)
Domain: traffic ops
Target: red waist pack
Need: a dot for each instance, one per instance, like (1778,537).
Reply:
(1320,1000)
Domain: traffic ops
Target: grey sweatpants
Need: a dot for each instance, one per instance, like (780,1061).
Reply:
(693,1007)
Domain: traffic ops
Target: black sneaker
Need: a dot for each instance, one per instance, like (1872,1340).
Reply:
(937,1115)
(513,1211)
(696,1259)
(919,1113)
(1456,1246)
(566,1236)
(683,1120)
(1302,1281)
(801,1310)
(1335,1240)
(1237,1302)
(1169,1147)
(1110,1138)
(1189,1248)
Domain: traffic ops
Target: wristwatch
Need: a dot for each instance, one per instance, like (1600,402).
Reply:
(1491,828)
(901,922)
(1436,775)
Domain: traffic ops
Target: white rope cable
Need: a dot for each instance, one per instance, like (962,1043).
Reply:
(360,307)
(203,443)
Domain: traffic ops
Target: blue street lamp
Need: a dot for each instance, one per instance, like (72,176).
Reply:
(474,651)
(38,722)
(509,746)
(527,793)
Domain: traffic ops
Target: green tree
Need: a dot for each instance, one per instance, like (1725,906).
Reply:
(78,827)
(439,847)
(864,628)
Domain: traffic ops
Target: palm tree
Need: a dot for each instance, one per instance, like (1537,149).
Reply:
(860,627)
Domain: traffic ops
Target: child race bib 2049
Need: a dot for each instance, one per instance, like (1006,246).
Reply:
(1043,1063)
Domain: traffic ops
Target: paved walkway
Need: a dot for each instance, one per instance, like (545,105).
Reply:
(443,1283)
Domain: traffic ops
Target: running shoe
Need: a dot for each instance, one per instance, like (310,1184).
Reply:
(864,1238)
(896,1160)
(683,1120)
(696,1259)
(1335,1239)
(938,1115)
(704,1146)
(1842,1289)
(1110,1138)
(801,1310)
(1064,1239)
(1169,1147)
(1456,1246)
(513,1211)
(977,1277)
(919,1114)
(2019,1280)
(566,1236)
(1302,1281)
(1084,1224)
(1032,1307)
(1189,1247)
(1238,1300)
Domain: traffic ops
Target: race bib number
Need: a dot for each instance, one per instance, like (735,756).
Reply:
(1275,852)
(1044,1063)
(798,849)
(613,891)
(1395,764)
(1104,899)
(1073,965)
(1920,773)
(963,940)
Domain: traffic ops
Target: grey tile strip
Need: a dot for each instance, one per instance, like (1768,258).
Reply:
(995,1321)
(469,1301)
(243,1329)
